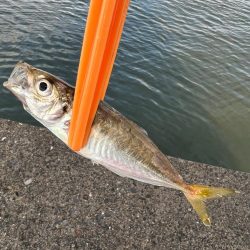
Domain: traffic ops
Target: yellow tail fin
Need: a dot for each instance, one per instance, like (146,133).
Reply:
(198,194)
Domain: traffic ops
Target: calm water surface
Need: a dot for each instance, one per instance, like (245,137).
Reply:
(182,70)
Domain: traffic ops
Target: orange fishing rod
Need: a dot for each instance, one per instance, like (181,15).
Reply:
(101,40)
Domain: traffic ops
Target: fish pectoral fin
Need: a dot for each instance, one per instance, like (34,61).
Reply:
(198,194)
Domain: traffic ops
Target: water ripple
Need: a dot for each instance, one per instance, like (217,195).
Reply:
(182,69)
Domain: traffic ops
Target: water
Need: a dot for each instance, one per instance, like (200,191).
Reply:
(182,70)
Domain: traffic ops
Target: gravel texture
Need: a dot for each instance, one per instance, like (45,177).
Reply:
(51,198)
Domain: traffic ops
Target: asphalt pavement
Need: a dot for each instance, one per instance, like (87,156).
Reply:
(51,198)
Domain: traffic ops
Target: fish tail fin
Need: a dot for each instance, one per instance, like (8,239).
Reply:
(198,194)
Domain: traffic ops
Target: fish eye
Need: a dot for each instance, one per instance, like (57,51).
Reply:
(44,87)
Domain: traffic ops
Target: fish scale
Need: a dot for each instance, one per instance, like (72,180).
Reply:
(105,153)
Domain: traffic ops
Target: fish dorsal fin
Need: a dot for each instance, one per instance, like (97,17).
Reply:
(113,111)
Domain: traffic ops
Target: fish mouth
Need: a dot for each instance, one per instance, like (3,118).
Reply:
(8,85)
(19,76)
(14,89)
(18,81)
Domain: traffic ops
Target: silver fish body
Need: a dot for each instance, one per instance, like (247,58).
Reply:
(114,142)
(124,148)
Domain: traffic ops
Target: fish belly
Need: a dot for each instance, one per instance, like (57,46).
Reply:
(104,152)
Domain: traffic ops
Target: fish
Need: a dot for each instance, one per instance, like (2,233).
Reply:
(115,142)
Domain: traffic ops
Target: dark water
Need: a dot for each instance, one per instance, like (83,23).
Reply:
(182,70)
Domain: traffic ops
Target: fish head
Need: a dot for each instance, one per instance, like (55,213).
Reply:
(46,97)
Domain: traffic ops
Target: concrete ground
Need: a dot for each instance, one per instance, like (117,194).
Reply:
(50,198)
